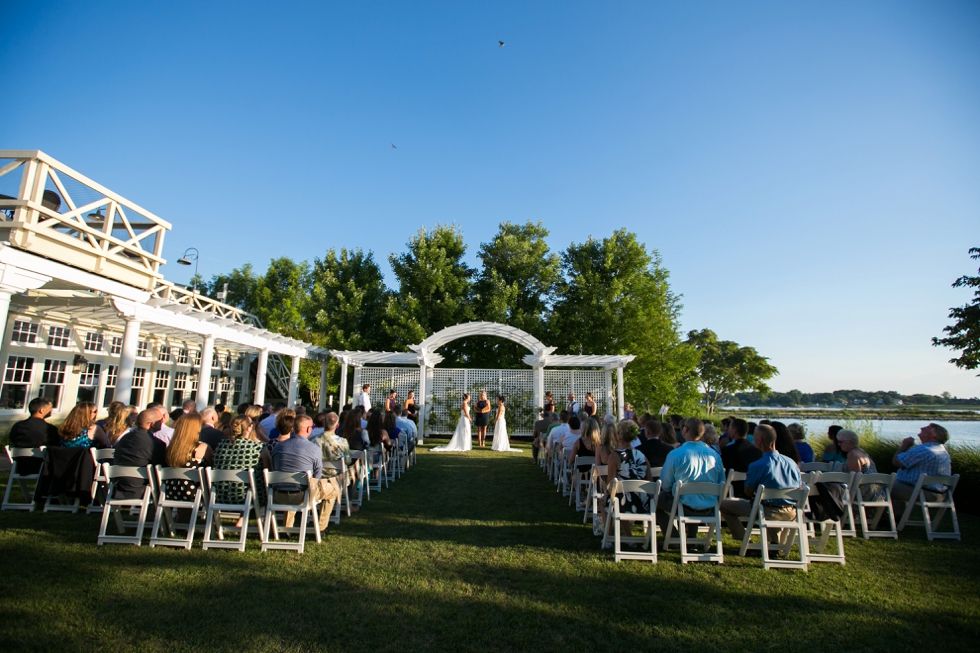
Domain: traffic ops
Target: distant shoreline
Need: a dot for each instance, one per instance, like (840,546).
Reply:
(859,414)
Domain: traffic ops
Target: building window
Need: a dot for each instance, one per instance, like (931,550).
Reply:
(163,356)
(194,382)
(215,360)
(16,379)
(226,363)
(59,336)
(212,399)
(239,385)
(143,349)
(139,383)
(88,382)
(24,332)
(240,362)
(115,345)
(94,341)
(53,381)
(197,358)
(160,386)
(112,373)
(180,387)
(181,356)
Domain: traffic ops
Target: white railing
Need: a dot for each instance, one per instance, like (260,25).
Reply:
(52,210)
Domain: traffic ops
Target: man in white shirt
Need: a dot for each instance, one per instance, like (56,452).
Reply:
(573,407)
(573,434)
(405,424)
(364,399)
(162,432)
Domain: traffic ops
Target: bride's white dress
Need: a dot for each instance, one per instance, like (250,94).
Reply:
(462,438)
(500,440)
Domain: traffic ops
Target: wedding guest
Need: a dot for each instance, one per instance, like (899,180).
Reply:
(627,464)
(284,425)
(186,450)
(255,414)
(586,444)
(549,402)
(859,461)
(138,449)
(241,450)
(832,453)
(355,435)
(297,454)
(628,412)
(574,432)
(608,443)
(119,424)
(80,430)
(32,433)
(653,448)
(799,438)
(692,462)
(740,453)
(590,405)
(784,442)
(911,461)
(209,433)
(160,429)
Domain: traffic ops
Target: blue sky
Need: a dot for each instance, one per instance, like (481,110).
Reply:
(808,171)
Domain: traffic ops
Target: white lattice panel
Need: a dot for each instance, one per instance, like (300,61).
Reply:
(383,379)
(561,382)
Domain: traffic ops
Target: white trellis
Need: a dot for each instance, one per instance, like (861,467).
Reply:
(438,391)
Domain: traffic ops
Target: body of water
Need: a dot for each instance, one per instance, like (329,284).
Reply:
(960,432)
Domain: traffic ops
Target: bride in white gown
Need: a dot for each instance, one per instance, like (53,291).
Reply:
(500,440)
(463,437)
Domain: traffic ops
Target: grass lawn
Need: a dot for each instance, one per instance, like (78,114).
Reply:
(472,552)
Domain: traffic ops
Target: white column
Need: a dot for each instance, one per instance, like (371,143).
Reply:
(609,393)
(127,361)
(539,387)
(343,385)
(619,393)
(293,381)
(204,374)
(420,400)
(4,312)
(260,373)
(323,386)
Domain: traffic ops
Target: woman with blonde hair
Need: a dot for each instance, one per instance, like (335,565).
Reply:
(607,444)
(80,430)
(186,451)
(117,423)
(258,431)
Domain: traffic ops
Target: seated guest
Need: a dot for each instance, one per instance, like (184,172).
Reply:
(32,433)
(119,423)
(929,458)
(586,445)
(186,450)
(859,461)
(750,434)
(832,453)
(160,429)
(297,454)
(725,440)
(626,464)
(406,425)
(608,443)
(772,470)
(653,449)
(558,433)
(284,425)
(378,440)
(224,422)
(255,413)
(113,408)
(538,433)
(784,442)
(241,450)
(710,437)
(355,435)
(242,408)
(677,423)
(692,462)
(80,430)
(574,432)
(209,434)
(319,423)
(799,439)
(740,453)
(269,422)
(138,449)
(391,428)
(189,406)
(628,412)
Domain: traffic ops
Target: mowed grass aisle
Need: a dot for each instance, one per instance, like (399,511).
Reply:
(472,552)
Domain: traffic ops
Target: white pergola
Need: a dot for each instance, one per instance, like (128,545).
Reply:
(541,356)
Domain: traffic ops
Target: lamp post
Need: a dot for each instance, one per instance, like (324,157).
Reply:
(190,254)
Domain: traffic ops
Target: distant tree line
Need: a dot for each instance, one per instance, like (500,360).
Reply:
(796,398)
(601,296)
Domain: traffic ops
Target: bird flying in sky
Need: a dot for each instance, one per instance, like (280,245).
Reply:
(501,44)
(393,146)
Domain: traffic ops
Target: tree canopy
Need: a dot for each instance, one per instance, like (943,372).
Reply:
(964,333)
(726,368)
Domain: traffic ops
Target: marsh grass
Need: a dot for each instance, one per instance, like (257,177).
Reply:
(472,552)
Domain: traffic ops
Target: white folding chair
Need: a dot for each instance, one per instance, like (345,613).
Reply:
(114,506)
(360,476)
(760,524)
(817,467)
(565,481)
(99,482)
(49,504)
(597,488)
(580,481)
(881,506)
(655,472)
(679,515)
(378,466)
(615,520)
(341,477)
(304,508)
(732,477)
(22,480)
(847,479)
(822,530)
(213,529)
(166,507)
(919,498)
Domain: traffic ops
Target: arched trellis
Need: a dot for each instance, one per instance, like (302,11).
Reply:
(541,356)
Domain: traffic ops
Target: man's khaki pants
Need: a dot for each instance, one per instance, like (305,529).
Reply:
(732,509)
(325,490)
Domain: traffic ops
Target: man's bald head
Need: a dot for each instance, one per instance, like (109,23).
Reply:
(209,416)
(147,418)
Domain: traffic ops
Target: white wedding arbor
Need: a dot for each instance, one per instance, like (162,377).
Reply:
(416,370)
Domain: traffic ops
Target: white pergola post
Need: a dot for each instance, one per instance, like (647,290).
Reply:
(4,312)
(204,374)
(620,412)
(127,361)
(609,392)
(539,387)
(323,386)
(343,385)
(293,381)
(261,370)
(420,400)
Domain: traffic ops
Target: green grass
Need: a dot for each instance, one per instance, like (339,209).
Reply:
(472,552)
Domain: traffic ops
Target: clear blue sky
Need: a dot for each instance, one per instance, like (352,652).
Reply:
(810,172)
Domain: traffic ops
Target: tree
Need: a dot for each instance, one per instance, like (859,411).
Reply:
(964,333)
(515,286)
(726,368)
(615,299)
(434,288)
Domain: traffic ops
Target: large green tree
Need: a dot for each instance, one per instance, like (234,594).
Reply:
(515,286)
(726,368)
(434,288)
(615,299)
(964,333)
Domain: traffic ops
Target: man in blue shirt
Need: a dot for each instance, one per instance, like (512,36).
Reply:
(772,470)
(298,454)
(692,462)
(929,458)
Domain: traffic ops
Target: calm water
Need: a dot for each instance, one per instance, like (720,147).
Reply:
(959,432)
